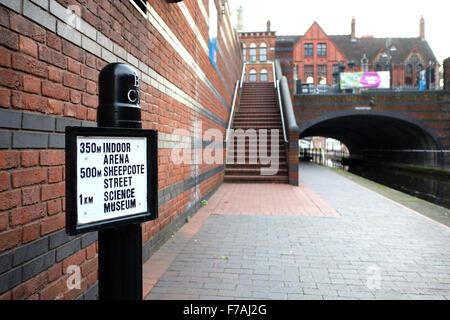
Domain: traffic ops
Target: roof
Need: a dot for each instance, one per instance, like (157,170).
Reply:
(355,50)
(370,46)
(288,38)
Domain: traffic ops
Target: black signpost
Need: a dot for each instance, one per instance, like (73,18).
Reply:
(111,182)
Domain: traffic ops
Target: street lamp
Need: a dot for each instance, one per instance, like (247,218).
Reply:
(388,65)
(341,68)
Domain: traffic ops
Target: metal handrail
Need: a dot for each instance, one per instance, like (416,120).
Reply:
(281,110)
(274,78)
(277,86)
(232,110)
(238,85)
(243,73)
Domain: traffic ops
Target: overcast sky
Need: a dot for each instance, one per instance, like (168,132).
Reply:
(381,18)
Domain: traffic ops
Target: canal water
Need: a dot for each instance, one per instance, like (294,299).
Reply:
(432,187)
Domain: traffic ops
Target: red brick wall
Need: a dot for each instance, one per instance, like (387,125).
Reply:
(428,108)
(284,52)
(259,68)
(48,80)
(257,38)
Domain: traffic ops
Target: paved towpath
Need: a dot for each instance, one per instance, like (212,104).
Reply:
(328,239)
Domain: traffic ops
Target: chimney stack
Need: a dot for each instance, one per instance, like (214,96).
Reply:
(353,29)
(240,19)
(422,28)
(268,25)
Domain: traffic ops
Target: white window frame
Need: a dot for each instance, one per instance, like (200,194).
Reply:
(252,53)
(261,47)
(263,73)
(253,76)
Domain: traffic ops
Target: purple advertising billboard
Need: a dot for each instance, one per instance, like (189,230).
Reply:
(380,79)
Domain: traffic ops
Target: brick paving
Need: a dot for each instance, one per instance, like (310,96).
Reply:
(342,242)
(270,199)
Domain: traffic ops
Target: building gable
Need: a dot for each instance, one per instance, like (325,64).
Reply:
(316,35)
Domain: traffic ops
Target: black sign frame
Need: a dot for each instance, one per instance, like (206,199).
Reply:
(72,226)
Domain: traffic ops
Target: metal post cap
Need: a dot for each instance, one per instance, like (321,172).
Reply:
(119,97)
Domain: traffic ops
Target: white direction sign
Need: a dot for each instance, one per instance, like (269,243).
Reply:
(111,177)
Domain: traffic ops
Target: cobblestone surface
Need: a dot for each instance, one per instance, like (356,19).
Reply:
(375,249)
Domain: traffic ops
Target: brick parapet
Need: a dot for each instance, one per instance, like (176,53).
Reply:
(427,108)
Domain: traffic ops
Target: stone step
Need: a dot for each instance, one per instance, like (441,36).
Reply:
(258,109)
(256,115)
(245,165)
(252,171)
(259,106)
(254,155)
(256,179)
(257,126)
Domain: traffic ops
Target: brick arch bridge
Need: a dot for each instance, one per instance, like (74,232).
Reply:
(385,126)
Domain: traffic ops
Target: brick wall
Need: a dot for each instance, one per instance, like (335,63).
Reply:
(427,109)
(284,53)
(48,80)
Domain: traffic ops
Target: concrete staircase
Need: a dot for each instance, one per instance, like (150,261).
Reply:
(258,109)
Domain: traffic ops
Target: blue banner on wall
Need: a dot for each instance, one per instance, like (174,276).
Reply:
(213,33)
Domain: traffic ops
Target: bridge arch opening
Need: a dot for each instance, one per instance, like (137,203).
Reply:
(380,136)
(323,150)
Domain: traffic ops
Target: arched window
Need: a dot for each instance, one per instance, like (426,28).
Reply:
(244,53)
(264,76)
(322,73)
(308,74)
(414,59)
(253,52)
(252,77)
(414,64)
(382,62)
(263,52)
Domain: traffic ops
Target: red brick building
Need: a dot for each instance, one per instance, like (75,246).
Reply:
(314,56)
(50,57)
(258,54)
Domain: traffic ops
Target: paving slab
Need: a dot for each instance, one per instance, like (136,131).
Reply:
(342,241)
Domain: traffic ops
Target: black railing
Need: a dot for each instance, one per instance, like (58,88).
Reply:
(310,89)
